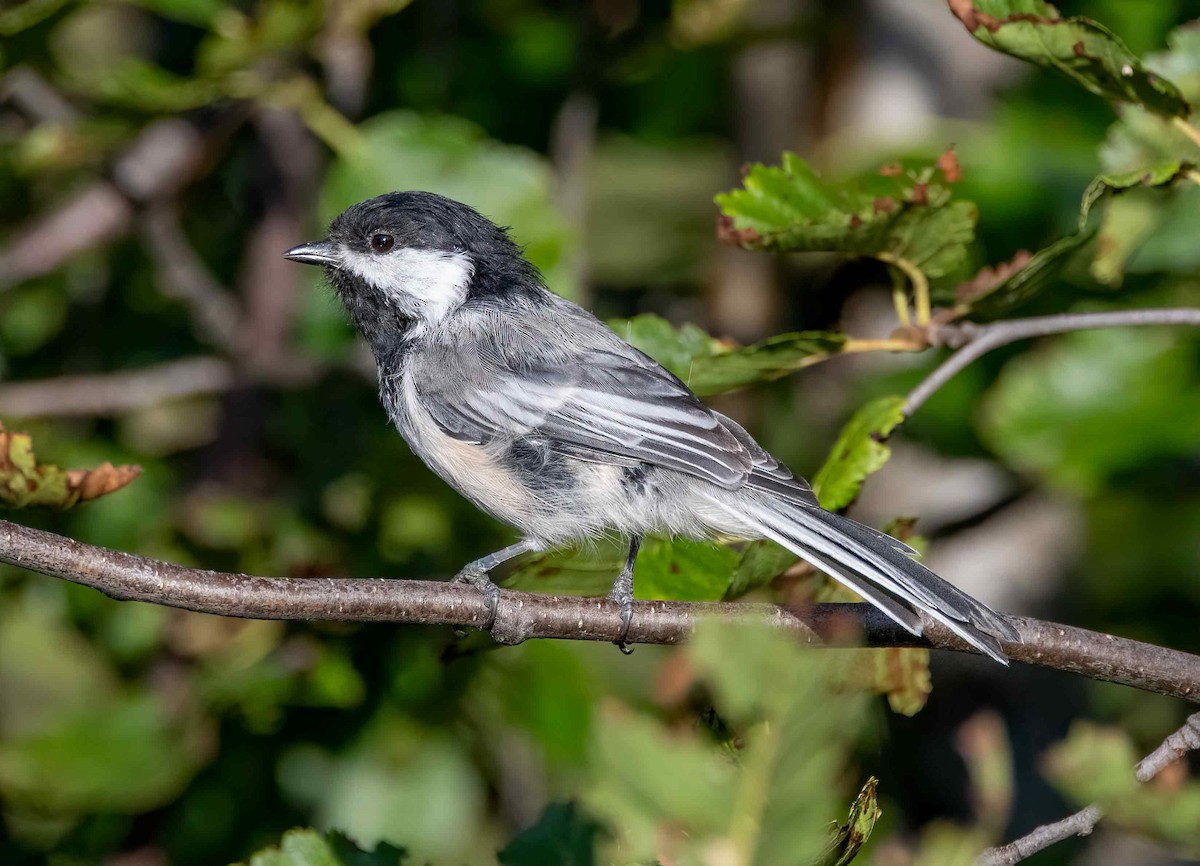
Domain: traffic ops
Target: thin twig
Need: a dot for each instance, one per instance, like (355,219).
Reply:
(1084,821)
(1080,824)
(1173,748)
(524,615)
(974,341)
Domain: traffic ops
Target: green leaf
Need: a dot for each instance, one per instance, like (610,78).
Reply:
(123,756)
(1093,404)
(681,570)
(850,837)
(1016,287)
(1149,222)
(1095,765)
(561,837)
(684,570)
(1080,48)
(303,847)
(905,214)
(1139,137)
(298,848)
(1156,175)
(760,562)
(860,450)
(766,798)
(712,366)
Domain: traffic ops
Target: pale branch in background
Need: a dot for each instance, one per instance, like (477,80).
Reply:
(1173,748)
(974,341)
(105,394)
(1080,824)
(523,615)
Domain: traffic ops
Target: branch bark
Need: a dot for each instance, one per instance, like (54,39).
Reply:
(524,615)
(1084,821)
(1174,747)
(974,341)
(1080,824)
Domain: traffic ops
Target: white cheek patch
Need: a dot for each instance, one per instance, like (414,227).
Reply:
(425,284)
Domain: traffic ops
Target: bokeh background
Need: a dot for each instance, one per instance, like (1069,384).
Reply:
(158,156)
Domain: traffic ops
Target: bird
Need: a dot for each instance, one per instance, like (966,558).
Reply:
(543,417)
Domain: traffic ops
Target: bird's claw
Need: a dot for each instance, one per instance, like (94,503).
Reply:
(625,600)
(481,581)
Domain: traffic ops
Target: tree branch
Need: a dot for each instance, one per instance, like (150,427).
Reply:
(974,341)
(523,615)
(1172,749)
(1080,824)
(1084,821)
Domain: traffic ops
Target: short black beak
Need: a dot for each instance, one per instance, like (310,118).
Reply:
(314,253)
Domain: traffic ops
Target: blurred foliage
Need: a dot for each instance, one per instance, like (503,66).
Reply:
(131,733)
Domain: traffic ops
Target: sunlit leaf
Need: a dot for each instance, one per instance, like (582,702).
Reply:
(310,848)
(860,450)
(902,213)
(712,366)
(1080,48)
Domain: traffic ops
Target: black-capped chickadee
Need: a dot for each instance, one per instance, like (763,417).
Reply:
(534,410)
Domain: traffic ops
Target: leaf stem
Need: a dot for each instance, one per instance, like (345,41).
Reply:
(1187,129)
(920,285)
(891,344)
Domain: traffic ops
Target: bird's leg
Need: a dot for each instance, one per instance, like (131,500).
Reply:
(622,593)
(476,574)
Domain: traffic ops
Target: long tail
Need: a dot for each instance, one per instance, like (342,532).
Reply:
(877,567)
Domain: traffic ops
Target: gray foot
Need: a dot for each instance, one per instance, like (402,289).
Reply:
(622,594)
(480,580)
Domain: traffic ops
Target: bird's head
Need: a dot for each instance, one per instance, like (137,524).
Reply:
(406,261)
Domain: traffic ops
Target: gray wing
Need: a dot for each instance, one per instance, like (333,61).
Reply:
(567,379)
(608,406)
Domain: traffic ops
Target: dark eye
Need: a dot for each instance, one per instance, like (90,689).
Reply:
(382,243)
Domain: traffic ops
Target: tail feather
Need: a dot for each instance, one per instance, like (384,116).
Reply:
(878,568)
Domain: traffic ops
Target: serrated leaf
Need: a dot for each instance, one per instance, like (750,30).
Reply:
(561,837)
(1080,48)
(860,450)
(850,837)
(711,366)
(24,483)
(905,214)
